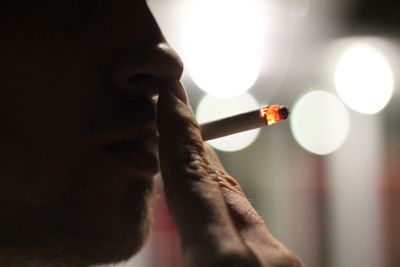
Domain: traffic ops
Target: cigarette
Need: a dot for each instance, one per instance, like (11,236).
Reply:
(243,122)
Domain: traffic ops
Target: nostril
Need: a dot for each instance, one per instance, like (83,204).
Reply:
(143,78)
(144,83)
(153,66)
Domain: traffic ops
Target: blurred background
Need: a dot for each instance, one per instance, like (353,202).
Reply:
(327,181)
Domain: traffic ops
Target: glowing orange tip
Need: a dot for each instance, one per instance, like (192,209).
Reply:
(274,113)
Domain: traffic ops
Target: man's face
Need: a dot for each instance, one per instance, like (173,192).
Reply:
(77,112)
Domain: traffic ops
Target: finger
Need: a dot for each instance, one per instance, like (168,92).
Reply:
(248,223)
(246,219)
(242,212)
(191,186)
(223,176)
(195,196)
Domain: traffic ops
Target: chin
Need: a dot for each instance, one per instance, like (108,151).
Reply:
(120,246)
(92,225)
(110,216)
(113,233)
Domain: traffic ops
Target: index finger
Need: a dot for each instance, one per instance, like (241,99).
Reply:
(191,186)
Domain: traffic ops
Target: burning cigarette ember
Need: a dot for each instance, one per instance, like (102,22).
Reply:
(243,122)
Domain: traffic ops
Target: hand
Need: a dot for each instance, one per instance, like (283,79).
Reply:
(216,222)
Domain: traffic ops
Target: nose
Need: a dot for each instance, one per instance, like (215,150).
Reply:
(140,59)
(146,68)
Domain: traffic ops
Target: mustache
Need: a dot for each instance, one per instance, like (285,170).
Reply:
(120,112)
(138,107)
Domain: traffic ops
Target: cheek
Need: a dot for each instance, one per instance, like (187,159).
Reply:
(29,183)
(37,136)
(44,94)
(41,112)
(46,82)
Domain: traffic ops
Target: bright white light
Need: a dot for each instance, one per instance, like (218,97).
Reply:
(299,9)
(213,108)
(364,79)
(320,122)
(221,42)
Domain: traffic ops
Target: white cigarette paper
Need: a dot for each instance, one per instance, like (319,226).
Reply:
(243,122)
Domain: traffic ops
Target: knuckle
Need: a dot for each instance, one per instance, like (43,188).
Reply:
(195,171)
(195,164)
(191,154)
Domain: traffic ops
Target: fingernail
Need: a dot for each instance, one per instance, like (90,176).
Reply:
(180,92)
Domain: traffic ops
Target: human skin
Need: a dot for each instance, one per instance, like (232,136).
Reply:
(76,78)
(78,118)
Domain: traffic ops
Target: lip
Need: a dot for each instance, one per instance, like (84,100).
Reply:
(140,156)
(127,134)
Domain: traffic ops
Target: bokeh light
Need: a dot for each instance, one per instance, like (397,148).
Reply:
(299,9)
(364,79)
(222,44)
(212,108)
(320,122)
